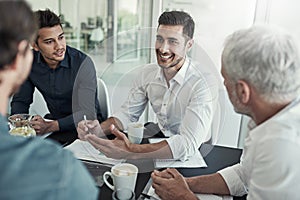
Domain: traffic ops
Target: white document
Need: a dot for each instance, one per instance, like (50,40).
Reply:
(193,162)
(85,151)
(154,196)
(213,197)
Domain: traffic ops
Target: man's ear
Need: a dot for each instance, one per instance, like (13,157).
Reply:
(190,44)
(35,46)
(243,91)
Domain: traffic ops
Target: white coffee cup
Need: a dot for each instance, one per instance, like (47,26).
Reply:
(124,175)
(135,132)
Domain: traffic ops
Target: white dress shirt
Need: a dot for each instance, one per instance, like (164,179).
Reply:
(269,167)
(184,110)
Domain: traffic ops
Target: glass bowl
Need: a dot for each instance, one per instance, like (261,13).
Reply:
(20,125)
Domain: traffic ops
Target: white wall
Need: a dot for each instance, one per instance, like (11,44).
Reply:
(51,4)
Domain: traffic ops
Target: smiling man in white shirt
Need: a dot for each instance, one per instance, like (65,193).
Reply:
(182,97)
(261,70)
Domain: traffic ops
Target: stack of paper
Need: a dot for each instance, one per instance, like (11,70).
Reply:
(194,161)
(151,193)
(85,151)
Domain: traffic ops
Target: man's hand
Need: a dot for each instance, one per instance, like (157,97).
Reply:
(171,185)
(119,148)
(89,127)
(41,126)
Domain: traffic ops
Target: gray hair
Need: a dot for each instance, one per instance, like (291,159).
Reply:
(266,58)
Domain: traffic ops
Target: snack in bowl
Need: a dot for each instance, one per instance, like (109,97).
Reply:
(20,125)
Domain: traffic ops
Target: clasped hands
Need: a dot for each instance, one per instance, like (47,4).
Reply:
(171,185)
(41,126)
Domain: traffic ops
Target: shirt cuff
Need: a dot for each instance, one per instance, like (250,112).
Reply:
(177,147)
(66,124)
(233,181)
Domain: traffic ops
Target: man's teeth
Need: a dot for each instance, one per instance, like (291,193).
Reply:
(165,57)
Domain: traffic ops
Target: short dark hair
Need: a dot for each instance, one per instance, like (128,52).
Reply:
(17,23)
(178,18)
(46,18)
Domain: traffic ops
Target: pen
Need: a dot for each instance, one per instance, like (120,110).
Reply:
(146,196)
(85,122)
(84,118)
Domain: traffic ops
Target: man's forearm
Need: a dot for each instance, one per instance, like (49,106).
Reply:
(52,126)
(160,150)
(208,184)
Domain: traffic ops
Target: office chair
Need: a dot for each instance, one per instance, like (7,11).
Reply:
(103,98)
(97,36)
(38,106)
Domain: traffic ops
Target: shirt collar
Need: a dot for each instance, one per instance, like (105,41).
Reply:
(180,75)
(159,75)
(251,124)
(64,63)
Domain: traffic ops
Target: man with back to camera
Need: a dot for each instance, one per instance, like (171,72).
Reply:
(65,77)
(261,70)
(31,168)
(182,97)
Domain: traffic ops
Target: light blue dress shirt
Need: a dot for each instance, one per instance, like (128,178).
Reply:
(33,168)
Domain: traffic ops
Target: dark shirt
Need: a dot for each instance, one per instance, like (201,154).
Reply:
(33,168)
(70,90)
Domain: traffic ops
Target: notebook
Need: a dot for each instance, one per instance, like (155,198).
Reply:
(192,162)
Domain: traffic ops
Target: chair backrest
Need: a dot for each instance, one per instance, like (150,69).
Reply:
(97,35)
(103,98)
(218,120)
(38,105)
(217,124)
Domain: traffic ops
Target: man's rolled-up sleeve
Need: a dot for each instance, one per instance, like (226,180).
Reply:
(233,177)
